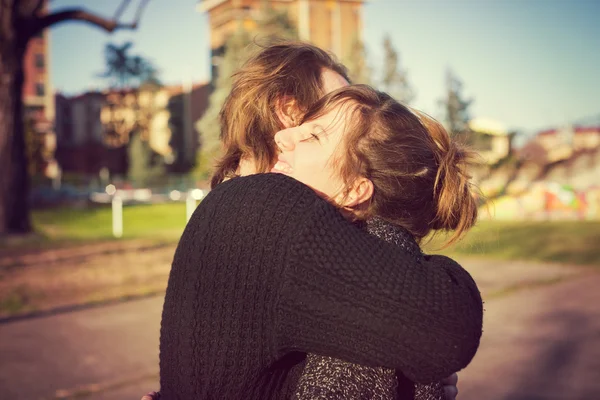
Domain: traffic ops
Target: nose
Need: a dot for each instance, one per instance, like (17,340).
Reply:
(286,139)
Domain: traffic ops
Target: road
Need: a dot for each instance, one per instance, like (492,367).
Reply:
(541,341)
(108,350)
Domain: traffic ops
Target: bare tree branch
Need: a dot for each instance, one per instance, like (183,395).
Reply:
(78,14)
(138,13)
(120,10)
(108,25)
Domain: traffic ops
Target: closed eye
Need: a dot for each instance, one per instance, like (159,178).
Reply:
(316,132)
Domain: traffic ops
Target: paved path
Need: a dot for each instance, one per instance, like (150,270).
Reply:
(541,341)
(87,350)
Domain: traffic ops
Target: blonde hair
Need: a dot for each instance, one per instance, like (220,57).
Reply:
(419,174)
(248,119)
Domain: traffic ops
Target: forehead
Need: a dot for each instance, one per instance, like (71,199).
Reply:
(336,117)
(332,80)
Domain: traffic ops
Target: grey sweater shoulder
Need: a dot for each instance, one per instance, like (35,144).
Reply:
(327,378)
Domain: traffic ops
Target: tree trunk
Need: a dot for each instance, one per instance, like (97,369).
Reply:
(14,180)
(20,20)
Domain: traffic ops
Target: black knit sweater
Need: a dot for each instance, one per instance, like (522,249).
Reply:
(267,271)
(327,378)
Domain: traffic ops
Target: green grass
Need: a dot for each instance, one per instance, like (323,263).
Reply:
(569,242)
(163,221)
(572,242)
(18,299)
(66,226)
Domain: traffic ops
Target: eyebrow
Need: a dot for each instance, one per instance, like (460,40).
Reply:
(317,126)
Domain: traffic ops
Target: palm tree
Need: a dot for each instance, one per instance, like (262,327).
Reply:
(143,71)
(123,69)
(127,75)
(118,64)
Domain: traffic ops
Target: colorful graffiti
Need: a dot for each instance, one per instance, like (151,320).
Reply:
(547,200)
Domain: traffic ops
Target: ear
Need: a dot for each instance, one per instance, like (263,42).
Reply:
(287,111)
(360,192)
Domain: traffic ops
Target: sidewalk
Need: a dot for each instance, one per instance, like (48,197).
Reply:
(541,341)
(498,277)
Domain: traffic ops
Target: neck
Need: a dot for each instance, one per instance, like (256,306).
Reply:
(247,167)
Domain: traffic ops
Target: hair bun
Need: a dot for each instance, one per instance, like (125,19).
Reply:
(453,190)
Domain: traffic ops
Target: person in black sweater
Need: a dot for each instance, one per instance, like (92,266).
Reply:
(267,271)
(225,168)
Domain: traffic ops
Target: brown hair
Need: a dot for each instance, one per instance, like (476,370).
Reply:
(418,172)
(248,119)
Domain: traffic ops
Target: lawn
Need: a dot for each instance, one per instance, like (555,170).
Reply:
(66,226)
(576,242)
(569,242)
(165,221)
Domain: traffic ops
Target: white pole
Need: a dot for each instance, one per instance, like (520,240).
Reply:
(117,216)
(56,181)
(190,206)
(191,202)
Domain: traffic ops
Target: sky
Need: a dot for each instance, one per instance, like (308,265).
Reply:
(529,64)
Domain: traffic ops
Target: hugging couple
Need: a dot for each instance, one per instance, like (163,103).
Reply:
(300,275)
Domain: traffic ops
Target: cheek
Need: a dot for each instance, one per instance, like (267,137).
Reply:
(318,165)
(328,177)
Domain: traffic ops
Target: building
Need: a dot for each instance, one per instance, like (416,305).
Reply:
(186,106)
(93,128)
(558,143)
(80,134)
(37,91)
(37,96)
(332,25)
(563,143)
(586,138)
(490,139)
(78,119)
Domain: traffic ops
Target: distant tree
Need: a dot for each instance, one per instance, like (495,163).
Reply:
(118,64)
(21,20)
(130,108)
(145,165)
(144,71)
(124,70)
(236,50)
(272,25)
(394,79)
(456,107)
(355,60)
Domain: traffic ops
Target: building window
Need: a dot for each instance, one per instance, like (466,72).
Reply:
(39,61)
(39,89)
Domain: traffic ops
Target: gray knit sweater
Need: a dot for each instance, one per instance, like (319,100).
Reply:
(327,378)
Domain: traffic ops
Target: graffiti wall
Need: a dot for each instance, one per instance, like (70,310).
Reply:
(547,201)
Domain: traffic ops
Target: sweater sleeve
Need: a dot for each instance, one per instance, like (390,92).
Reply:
(349,295)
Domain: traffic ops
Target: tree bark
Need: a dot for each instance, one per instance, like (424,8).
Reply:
(18,198)
(19,21)
(14,181)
